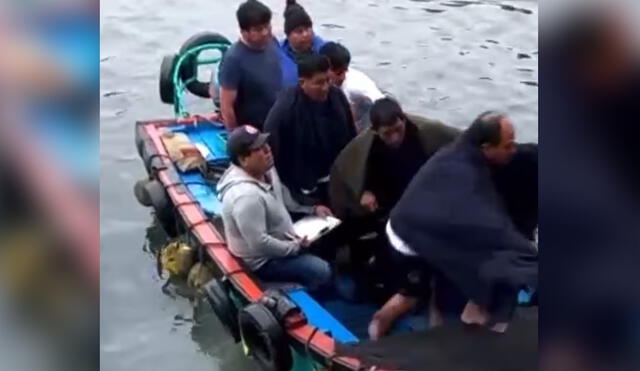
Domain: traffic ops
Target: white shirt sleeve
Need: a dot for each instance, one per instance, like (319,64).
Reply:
(357,85)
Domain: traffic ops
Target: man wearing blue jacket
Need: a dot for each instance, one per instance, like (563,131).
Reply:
(300,41)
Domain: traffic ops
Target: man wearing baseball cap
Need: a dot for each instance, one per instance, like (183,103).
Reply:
(255,213)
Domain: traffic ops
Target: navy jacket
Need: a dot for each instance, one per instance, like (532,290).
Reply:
(453,216)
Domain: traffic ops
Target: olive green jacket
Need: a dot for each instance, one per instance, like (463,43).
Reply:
(348,173)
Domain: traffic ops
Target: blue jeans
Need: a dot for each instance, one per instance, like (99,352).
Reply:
(305,269)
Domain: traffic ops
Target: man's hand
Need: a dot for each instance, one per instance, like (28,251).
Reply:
(369,202)
(323,211)
(303,241)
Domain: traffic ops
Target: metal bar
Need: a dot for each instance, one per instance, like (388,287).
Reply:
(179,105)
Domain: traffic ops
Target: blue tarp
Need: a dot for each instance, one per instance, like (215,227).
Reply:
(214,137)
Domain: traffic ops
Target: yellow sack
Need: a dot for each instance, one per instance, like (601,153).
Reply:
(177,258)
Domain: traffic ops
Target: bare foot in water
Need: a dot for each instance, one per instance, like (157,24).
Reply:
(394,308)
(500,327)
(473,314)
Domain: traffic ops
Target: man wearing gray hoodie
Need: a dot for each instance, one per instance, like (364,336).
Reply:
(255,213)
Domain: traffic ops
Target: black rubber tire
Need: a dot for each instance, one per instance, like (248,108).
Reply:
(216,293)
(141,192)
(166,78)
(189,66)
(152,193)
(265,338)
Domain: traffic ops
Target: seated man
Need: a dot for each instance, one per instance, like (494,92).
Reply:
(372,172)
(300,41)
(309,125)
(360,90)
(369,177)
(258,227)
(453,221)
(250,72)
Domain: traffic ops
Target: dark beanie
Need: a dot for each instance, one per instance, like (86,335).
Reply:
(295,16)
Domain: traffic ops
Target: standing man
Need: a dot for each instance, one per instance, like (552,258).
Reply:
(360,90)
(454,222)
(309,125)
(372,172)
(300,41)
(250,75)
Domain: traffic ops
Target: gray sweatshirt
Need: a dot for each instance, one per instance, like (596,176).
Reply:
(255,216)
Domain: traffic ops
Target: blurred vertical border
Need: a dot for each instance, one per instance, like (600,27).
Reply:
(49,189)
(589,171)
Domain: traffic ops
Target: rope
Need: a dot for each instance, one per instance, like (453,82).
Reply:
(229,274)
(176,218)
(167,186)
(186,203)
(160,155)
(306,347)
(216,245)
(331,359)
(150,159)
(199,222)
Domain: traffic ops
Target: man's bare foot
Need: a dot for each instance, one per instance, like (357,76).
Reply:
(394,308)
(500,327)
(379,325)
(473,314)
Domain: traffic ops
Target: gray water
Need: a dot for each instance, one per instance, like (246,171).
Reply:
(448,60)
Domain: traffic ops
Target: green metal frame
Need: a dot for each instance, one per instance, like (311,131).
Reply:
(179,86)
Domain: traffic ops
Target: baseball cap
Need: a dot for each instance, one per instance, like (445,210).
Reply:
(245,139)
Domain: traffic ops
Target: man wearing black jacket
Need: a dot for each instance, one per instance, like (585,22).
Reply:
(457,221)
(309,125)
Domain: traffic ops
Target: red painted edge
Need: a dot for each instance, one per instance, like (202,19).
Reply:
(207,234)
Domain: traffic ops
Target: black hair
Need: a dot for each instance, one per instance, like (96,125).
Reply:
(234,159)
(385,112)
(235,156)
(295,16)
(338,55)
(485,129)
(252,13)
(312,64)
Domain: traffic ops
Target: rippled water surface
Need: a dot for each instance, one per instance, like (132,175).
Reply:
(448,60)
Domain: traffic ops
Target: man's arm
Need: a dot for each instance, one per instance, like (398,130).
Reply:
(227,102)
(292,205)
(273,125)
(230,76)
(250,217)
(350,118)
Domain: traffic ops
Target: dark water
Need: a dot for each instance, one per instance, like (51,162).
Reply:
(448,60)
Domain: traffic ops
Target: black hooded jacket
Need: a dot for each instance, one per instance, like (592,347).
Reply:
(453,216)
(307,136)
